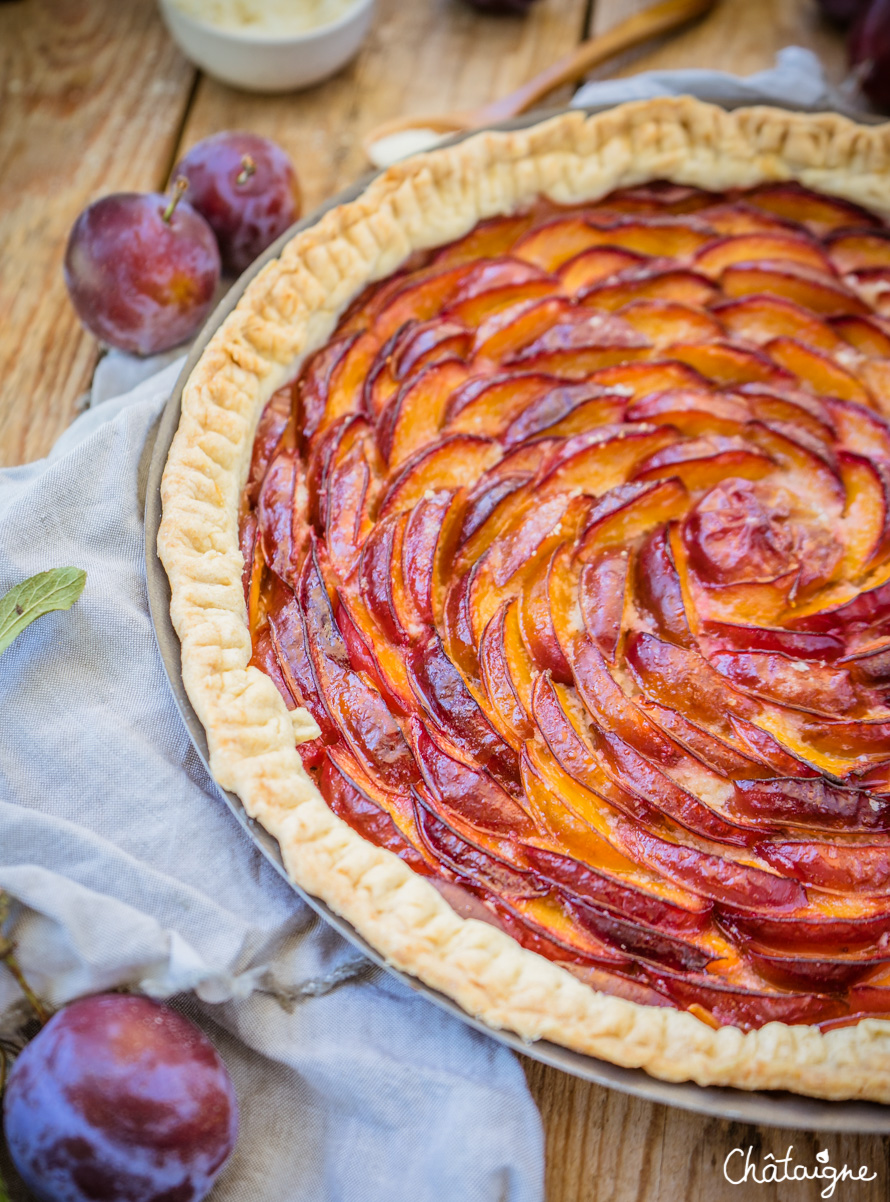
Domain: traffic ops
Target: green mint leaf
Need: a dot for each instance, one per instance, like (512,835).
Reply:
(4,1196)
(58,588)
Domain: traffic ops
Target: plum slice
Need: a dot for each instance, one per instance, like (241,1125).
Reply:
(460,848)
(356,707)
(830,925)
(633,772)
(464,788)
(455,460)
(443,695)
(643,942)
(545,925)
(603,459)
(748,248)
(506,708)
(814,803)
(630,510)
(282,510)
(276,420)
(679,286)
(602,595)
(596,265)
(823,295)
(415,413)
(818,371)
(489,239)
(746,1008)
(340,787)
(718,755)
(777,676)
(820,973)
(724,880)
(287,634)
(664,771)
(485,406)
(818,213)
(617,892)
(855,867)
(665,323)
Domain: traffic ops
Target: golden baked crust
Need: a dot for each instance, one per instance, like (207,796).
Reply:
(291,309)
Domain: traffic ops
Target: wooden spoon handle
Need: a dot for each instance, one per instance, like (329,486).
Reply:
(660,18)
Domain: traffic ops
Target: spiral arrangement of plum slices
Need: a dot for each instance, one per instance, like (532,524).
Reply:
(575,541)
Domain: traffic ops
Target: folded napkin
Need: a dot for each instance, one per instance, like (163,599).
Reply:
(128,870)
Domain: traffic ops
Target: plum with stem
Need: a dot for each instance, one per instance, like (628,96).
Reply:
(142,270)
(246,188)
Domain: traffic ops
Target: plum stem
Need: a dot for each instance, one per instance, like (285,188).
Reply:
(7,955)
(180,187)
(248,168)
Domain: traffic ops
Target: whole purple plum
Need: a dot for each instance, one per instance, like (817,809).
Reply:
(843,12)
(870,53)
(246,188)
(502,8)
(141,270)
(119,1099)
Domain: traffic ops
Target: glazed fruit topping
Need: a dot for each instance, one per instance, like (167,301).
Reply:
(575,541)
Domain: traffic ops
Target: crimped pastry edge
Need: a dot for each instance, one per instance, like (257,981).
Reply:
(289,310)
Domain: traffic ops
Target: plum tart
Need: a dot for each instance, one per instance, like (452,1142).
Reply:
(528,528)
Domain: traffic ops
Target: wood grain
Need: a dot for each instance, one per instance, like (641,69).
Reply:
(741,36)
(92,96)
(603,1146)
(420,58)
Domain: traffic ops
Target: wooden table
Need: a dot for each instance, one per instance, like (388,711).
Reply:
(95,98)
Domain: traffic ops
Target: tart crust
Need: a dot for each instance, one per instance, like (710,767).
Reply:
(289,310)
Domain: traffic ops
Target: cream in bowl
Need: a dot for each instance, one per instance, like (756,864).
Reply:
(269,45)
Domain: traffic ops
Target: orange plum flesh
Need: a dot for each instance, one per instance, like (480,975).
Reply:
(575,541)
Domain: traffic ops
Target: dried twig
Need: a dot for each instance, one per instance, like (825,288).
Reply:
(7,955)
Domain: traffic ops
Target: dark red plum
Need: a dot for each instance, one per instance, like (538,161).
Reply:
(119,1099)
(502,7)
(142,278)
(246,188)
(843,12)
(870,52)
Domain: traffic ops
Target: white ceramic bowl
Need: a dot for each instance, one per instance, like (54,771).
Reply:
(262,62)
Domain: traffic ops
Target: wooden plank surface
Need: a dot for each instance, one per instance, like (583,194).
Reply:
(605,1147)
(420,58)
(741,36)
(92,96)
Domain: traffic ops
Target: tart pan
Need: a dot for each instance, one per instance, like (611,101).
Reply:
(769,1108)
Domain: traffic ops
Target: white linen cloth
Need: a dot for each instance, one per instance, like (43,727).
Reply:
(131,871)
